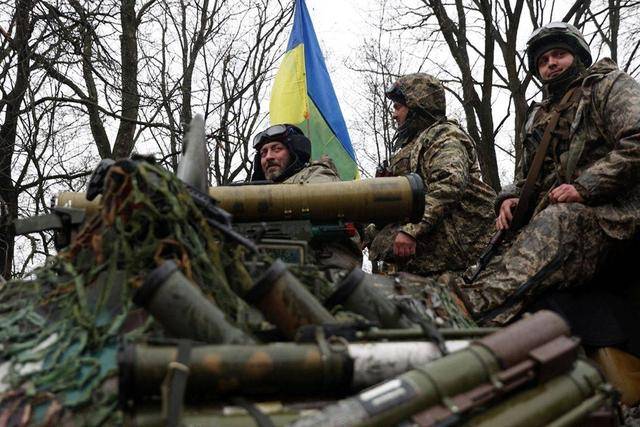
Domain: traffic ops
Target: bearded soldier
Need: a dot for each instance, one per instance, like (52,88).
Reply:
(586,198)
(458,209)
(283,156)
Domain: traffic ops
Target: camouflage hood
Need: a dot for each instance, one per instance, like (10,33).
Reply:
(424,95)
(423,92)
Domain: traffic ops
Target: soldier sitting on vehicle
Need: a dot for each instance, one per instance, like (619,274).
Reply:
(458,206)
(283,156)
(585,195)
(283,153)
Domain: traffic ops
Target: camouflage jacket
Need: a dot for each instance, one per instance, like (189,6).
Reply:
(458,216)
(319,171)
(598,149)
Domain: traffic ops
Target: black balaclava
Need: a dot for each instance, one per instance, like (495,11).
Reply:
(555,88)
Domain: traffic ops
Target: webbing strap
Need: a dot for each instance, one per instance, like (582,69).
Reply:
(261,419)
(521,214)
(177,383)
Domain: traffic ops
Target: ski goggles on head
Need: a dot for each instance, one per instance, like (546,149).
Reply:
(275,132)
(395,94)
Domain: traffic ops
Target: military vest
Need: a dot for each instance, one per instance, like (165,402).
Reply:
(565,153)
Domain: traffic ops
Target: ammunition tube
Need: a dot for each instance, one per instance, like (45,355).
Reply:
(380,200)
(531,332)
(547,402)
(377,362)
(398,399)
(393,199)
(218,371)
(285,302)
(356,293)
(70,199)
(183,310)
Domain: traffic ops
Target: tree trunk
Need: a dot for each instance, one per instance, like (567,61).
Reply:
(130,96)
(8,130)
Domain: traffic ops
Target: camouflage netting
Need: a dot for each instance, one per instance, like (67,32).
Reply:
(60,331)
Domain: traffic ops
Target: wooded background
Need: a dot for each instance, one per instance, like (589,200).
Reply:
(84,80)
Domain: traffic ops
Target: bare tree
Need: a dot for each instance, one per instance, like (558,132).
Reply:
(615,24)
(16,71)
(83,80)
(484,67)
(379,64)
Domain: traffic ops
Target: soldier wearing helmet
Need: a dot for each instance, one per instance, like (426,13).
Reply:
(283,156)
(458,212)
(586,198)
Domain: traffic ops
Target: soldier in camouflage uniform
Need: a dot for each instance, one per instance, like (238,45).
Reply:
(588,198)
(282,155)
(458,214)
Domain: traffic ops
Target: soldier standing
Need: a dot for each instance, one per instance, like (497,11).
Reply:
(458,211)
(586,198)
(283,156)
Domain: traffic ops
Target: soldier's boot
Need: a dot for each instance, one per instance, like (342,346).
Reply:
(622,370)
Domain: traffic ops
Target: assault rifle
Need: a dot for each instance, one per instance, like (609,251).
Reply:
(521,215)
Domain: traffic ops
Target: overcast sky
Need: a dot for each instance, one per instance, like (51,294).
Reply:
(341,27)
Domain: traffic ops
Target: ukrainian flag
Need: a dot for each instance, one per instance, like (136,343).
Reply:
(303,95)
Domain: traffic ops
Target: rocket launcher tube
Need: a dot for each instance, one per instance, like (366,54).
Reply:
(381,200)
(183,310)
(357,294)
(548,402)
(551,359)
(396,199)
(288,369)
(285,302)
(431,384)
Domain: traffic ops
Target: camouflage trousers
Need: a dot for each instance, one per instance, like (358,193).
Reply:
(443,249)
(563,246)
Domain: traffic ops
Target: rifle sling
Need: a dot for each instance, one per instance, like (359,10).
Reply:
(521,213)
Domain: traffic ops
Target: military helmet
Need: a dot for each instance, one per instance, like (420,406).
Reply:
(556,34)
(419,91)
(293,138)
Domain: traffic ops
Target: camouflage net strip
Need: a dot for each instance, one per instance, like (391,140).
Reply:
(59,331)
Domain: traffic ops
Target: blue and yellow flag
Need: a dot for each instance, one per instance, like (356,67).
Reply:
(303,95)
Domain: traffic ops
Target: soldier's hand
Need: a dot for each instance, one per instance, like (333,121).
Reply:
(506,213)
(565,193)
(404,245)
